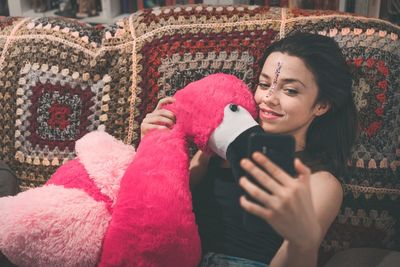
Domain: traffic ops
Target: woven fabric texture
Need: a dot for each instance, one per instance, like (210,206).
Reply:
(60,79)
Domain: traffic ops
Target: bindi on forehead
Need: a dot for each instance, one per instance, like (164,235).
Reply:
(277,73)
(276,76)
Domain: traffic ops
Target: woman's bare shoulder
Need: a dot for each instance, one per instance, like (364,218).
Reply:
(326,177)
(327,194)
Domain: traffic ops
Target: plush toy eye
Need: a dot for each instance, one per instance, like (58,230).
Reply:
(233,107)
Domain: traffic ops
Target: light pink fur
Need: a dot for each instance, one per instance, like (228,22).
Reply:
(52,226)
(105,159)
(63,223)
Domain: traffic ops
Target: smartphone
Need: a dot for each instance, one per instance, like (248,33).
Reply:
(280,149)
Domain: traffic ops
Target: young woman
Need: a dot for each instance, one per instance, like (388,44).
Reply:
(304,90)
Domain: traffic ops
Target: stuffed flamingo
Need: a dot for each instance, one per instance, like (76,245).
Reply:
(113,208)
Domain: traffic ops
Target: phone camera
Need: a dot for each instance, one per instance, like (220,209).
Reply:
(233,107)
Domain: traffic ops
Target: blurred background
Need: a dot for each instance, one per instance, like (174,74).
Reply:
(107,11)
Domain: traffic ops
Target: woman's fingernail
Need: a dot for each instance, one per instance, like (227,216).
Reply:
(257,154)
(244,162)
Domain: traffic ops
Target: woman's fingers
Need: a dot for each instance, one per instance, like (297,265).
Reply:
(164,101)
(164,113)
(257,193)
(261,176)
(274,170)
(254,208)
(160,117)
(154,126)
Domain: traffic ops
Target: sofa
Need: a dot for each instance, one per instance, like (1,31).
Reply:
(62,78)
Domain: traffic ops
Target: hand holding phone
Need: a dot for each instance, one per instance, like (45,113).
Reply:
(280,149)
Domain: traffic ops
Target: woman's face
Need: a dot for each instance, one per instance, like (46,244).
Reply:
(286,97)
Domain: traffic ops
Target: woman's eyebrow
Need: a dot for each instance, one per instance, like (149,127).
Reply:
(263,75)
(285,80)
(289,80)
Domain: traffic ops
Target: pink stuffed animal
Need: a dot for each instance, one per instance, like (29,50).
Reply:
(112,208)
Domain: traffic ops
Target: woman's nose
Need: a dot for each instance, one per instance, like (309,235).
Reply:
(271,97)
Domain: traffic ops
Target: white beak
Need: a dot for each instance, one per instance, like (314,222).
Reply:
(236,120)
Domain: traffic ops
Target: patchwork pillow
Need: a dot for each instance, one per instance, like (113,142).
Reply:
(60,79)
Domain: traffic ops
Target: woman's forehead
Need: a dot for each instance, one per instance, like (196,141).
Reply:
(288,66)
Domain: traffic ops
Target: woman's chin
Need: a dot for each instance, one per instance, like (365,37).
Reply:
(274,128)
(270,128)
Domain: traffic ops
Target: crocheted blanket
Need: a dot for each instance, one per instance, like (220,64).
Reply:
(61,78)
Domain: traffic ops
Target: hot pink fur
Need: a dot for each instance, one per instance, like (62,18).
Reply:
(152,222)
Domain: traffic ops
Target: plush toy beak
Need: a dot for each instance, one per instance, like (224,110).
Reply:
(229,139)
(236,121)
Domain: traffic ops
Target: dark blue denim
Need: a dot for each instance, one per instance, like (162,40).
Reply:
(220,260)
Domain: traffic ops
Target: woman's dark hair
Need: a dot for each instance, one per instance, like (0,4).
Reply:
(330,136)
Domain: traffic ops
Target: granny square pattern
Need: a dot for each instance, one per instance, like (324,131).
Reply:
(53,110)
(56,83)
(61,78)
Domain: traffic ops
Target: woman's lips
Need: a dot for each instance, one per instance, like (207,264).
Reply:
(269,114)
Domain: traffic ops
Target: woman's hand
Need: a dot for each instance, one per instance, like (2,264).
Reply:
(285,201)
(158,119)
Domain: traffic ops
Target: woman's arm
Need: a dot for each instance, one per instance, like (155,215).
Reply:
(327,195)
(300,209)
(198,168)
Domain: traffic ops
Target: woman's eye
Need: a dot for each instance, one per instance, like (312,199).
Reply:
(291,91)
(264,85)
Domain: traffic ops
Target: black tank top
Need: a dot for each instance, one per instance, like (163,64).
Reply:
(220,219)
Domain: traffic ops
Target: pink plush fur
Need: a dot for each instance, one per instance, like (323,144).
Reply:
(105,159)
(52,226)
(63,223)
(152,222)
(73,175)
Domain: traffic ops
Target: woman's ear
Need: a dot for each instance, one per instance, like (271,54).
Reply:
(322,108)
